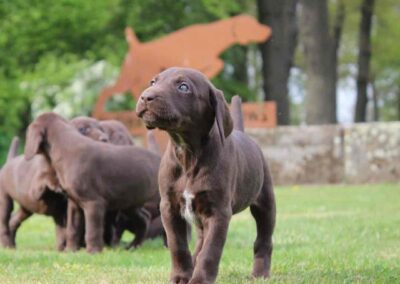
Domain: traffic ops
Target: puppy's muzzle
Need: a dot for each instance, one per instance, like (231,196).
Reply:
(145,99)
(104,138)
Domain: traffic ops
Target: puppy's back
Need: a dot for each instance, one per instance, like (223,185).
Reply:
(21,180)
(118,170)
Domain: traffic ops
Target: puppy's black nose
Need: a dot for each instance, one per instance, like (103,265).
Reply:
(147,97)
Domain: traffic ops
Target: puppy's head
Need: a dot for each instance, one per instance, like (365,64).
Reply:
(246,29)
(91,128)
(117,132)
(36,137)
(184,100)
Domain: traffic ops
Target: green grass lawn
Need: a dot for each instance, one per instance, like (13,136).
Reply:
(324,234)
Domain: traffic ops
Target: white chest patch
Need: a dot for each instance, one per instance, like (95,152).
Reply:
(188,209)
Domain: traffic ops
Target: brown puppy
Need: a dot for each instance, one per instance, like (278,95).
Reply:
(111,131)
(97,176)
(90,127)
(118,134)
(208,172)
(153,207)
(32,184)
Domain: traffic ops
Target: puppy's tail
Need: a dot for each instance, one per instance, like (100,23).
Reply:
(236,113)
(151,143)
(12,151)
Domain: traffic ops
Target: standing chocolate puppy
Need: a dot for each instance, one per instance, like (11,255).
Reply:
(208,172)
(34,186)
(116,133)
(96,176)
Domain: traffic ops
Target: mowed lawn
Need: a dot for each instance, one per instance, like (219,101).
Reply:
(324,234)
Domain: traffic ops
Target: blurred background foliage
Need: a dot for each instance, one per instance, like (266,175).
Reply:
(58,55)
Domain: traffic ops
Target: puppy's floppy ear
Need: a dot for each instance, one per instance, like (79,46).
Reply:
(222,115)
(37,192)
(34,138)
(38,189)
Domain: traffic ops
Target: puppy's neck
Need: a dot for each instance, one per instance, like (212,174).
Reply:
(192,148)
(186,148)
(63,140)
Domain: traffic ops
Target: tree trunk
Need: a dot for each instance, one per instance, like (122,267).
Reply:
(375,100)
(320,55)
(239,62)
(337,36)
(278,52)
(364,56)
(398,105)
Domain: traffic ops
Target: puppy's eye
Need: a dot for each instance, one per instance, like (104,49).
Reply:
(152,82)
(83,130)
(183,87)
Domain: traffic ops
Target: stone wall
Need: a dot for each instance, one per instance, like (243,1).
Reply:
(359,153)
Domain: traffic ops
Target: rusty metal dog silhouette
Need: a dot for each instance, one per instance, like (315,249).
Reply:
(198,46)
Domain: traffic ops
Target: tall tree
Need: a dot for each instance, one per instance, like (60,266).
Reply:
(398,105)
(375,99)
(320,55)
(364,56)
(277,53)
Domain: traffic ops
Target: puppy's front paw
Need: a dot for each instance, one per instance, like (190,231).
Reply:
(179,279)
(6,242)
(60,247)
(94,249)
(71,247)
(261,268)
(200,280)
(131,246)
(264,275)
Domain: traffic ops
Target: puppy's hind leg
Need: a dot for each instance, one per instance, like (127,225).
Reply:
(121,224)
(94,212)
(75,226)
(264,211)
(61,231)
(142,218)
(6,207)
(110,228)
(16,220)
